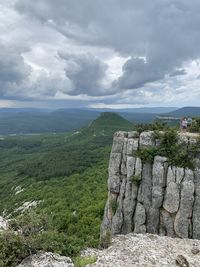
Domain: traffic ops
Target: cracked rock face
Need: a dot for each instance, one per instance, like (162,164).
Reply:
(152,197)
(46,259)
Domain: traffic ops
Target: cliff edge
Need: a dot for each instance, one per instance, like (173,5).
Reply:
(138,250)
(147,192)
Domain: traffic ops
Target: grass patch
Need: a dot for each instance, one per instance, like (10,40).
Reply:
(106,240)
(80,261)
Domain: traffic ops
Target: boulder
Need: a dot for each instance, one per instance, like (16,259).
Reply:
(146,139)
(46,259)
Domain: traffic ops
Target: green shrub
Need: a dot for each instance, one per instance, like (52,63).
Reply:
(176,154)
(136,178)
(156,126)
(32,232)
(106,240)
(147,154)
(12,249)
(195,127)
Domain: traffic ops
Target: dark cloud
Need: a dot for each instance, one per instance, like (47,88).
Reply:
(86,73)
(165,32)
(13,71)
(137,72)
(155,40)
(178,72)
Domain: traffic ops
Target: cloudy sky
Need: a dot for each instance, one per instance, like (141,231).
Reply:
(99,53)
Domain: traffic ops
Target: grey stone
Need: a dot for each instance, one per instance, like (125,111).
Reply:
(159,171)
(189,175)
(114,164)
(45,259)
(167,223)
(117,221)
(129,206)
(157,196)
(106,224)
(118,142)
(124,158)
(171,174)
(139,219)
(138,166)
(179,175)
(118,217)
(182,219)
(132,146)
(195,250)
(158,181)
(144,193)
(153,220)
(182,261)
(114,182)
(171,198)
(130,166)
(146,139)
(123,166)
(196,207)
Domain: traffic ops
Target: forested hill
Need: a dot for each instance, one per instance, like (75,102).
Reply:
(108,123)
(65,176)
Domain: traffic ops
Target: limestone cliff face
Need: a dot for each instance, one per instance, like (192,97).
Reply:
(165,201)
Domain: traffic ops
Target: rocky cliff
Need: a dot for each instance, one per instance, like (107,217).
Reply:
(151,197)
(139,250)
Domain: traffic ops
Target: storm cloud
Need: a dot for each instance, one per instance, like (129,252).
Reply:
(86,73)
(133,51)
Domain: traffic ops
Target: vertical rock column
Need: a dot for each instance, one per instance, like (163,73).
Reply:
(158,187)
(122,221)
(114,182)
(196,207)
(183,223)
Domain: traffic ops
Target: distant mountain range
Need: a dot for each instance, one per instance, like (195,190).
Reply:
(39,121)
(24,121)
(186,111)
(156,110)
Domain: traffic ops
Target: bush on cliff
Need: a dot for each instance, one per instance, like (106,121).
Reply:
(177,154)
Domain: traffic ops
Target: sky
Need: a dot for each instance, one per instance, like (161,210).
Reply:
(99,53)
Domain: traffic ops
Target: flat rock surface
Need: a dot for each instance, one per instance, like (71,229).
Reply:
(137,250)
(46,259)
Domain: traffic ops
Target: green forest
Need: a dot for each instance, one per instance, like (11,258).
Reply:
(66,175)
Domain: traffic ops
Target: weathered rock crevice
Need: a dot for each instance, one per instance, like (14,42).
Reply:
(151,197)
